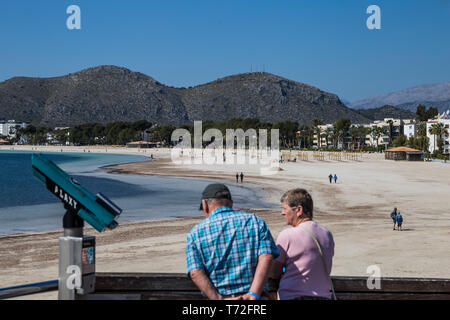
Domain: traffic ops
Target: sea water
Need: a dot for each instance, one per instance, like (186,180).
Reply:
(26,204)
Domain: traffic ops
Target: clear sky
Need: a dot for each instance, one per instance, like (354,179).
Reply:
(324,43)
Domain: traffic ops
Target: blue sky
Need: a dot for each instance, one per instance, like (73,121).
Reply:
(323,43)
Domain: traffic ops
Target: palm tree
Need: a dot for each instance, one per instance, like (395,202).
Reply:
(422,129)
(378,132)
(391,127)
(364,131)
(316,130)
(354,132)
(437,129)
(304,133)
(341,127)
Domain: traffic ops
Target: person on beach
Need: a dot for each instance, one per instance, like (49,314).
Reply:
(305,252)
(335,178)
(399,221)
(330,177)
(394,217)
(229,253)
(242,177)
(237,177)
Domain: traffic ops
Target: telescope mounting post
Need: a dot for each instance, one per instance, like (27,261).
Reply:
(76,259)
(73,225)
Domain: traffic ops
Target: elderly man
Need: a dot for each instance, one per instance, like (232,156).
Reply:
(229,253)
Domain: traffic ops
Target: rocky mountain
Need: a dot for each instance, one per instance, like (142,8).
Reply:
(100,94)
(431,95)
(109,93)
(387,112)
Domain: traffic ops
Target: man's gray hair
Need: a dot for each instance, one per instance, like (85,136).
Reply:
(219,202)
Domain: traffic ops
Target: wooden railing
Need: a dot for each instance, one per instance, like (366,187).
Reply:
(177,286)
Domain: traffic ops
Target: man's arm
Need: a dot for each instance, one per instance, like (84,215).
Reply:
(261,276)
(205,285)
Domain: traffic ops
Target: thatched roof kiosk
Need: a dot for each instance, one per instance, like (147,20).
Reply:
(403,153)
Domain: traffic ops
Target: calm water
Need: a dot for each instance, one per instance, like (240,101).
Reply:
(26,205)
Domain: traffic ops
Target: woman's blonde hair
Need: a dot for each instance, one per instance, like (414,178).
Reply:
(299,197)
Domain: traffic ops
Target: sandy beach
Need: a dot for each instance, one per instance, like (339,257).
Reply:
(356,210)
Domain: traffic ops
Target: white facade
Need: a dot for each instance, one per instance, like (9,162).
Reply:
(445,137)
(3,128)
(8,128)
(410,130)
(398,127)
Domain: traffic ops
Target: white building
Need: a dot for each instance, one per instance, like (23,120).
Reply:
(410,130)
(445,120)
(8,128)
(326,136)
(392,129)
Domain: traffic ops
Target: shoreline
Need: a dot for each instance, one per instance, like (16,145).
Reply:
(116,169)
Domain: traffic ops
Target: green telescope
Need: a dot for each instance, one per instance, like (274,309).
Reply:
(97,210)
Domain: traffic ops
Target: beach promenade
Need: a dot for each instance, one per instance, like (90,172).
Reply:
(355,209)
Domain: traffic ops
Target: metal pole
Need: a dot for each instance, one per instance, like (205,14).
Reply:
(73,225)
(70,264)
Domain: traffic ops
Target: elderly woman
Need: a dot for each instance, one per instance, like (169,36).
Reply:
(306,252)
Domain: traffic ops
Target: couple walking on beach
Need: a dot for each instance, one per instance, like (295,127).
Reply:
(231,254)
(237,177)
(330,177)
(397,218)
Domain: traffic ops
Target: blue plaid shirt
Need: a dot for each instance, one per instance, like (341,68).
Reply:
(226,246)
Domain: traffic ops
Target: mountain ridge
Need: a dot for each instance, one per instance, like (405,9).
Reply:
(109,93)
(430,95)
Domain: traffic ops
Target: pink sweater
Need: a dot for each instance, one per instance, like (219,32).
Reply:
(305,274)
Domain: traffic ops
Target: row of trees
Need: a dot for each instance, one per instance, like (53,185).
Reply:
(341,135)
(117,133)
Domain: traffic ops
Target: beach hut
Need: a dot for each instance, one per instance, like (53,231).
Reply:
(403,153)
(4,142)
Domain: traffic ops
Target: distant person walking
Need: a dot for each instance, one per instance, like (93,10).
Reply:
(399,221)
(335,178)
(330,177)
(394,217)
(242,177)
(237,177)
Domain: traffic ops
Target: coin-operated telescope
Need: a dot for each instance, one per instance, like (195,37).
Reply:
(76,252)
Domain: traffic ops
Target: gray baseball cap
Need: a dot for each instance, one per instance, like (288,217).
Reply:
(215,191)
